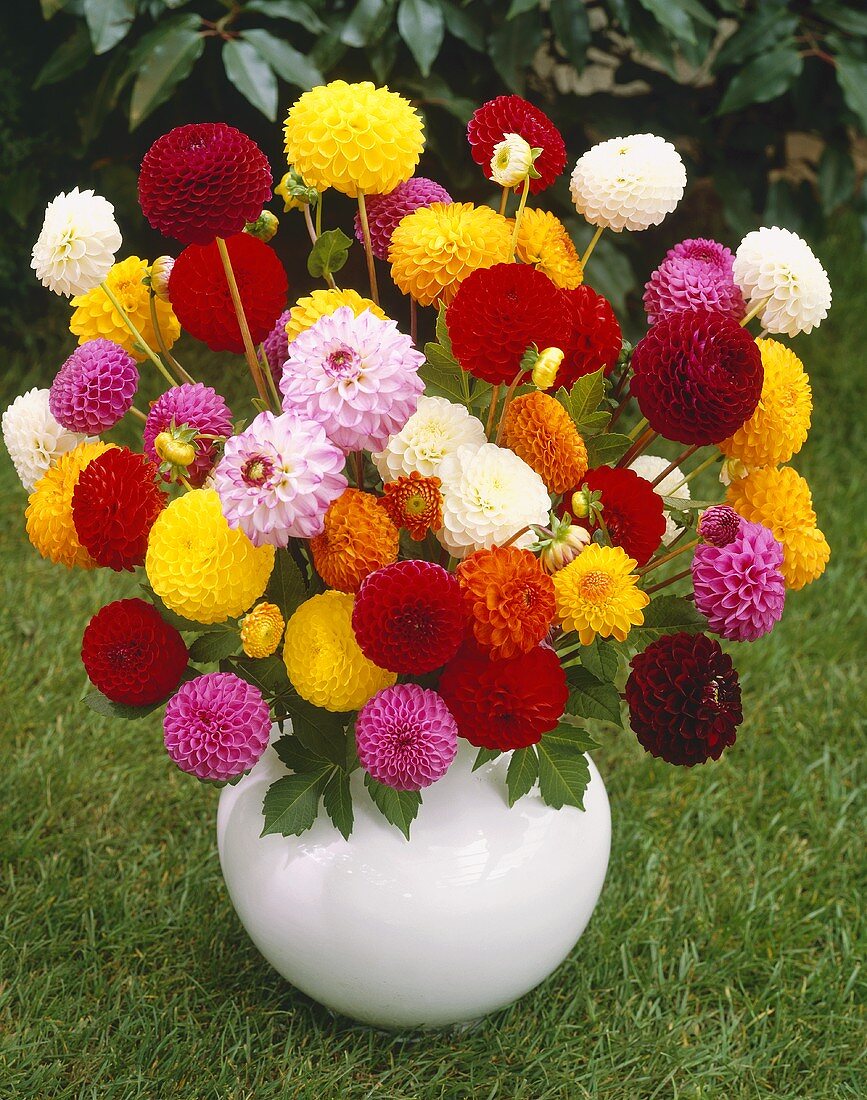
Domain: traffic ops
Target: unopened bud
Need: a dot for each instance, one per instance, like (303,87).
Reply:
(580,504)
(173,450)
(563,548)
(512,161)
(264,227)
(546,367)
(295,193)
(731,470)
(160,271)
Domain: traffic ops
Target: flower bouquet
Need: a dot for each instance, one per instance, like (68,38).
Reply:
(394,549)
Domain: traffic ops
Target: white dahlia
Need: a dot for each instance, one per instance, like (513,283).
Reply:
(435,430)
(650,467)
(75,250)
(33,437)
(489,494)
(512,160)
(776,264)
(628,183)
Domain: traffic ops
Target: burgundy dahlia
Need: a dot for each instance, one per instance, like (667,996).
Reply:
(94,388)
(695,274)
(595,338)
(385,211)
(510,114)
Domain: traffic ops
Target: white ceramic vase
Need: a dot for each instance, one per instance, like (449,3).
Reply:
(481,905)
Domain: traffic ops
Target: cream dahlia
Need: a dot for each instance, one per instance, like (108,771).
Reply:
(76,247)
(777,266)
(435,430)
(33,437)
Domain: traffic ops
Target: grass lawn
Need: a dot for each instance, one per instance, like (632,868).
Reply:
(723,960)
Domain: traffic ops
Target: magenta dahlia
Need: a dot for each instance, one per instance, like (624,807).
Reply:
(695,274)
(94,388)
(719,525)
(406,737)
(276,346)
(197,406)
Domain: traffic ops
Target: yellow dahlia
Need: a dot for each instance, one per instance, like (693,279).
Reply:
(49,509)
(323,660)
(261,630)
(321,303)
(598,593)
(544,242)
(805,554)
(539,430)
(434,248)
(353,137)
(199,566)
(779,426)
(96,316)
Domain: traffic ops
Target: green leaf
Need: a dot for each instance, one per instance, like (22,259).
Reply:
(103,705)
(50,8)
(765,77)
(442,333)
(836,178)
(592,698)
(855,22)
(366,22)
(421,25)
(758,34)
(173,619)
(606,448)
(329,254)
(512,47)
(286,587)
(518,7)
(563,770)
(163,59)
(522,774)
(268,674)
(443,383)
(671,15)
(600,658)
(594,424)
(485,756)
(337,800)
(321,731)
(287,63)
(399,808)
(572,30)
(852,78)
(214,646)
(108,21)
(292,803)
(68,58)
(252,76)
(463,26)
(297,756)
(296,11)
(669,615)
(586,395)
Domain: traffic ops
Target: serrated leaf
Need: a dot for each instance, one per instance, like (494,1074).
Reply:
(163,59)
(592,698)
(266,673)
(288,63)
(485,756)
(442,334)
(252,75)
(103,705)
(329,254)
(297,756)
(522,774)
(177,621)
(593,424)
(286,586)
(421,25)
(321,731)
(602,450)
(600,658)
(399,808)
(214,646)
(670,615)
(337,800)
(764,78)
(687,504)
(441,358)
(574,732)
(443,383)
(296,11)
(292,803)
(108,21)
(586,395)
(463,26)
(563,771)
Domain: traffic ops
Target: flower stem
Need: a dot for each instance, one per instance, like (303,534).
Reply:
(495,397)
(757,308)
(682,457)
(368,247)
(666,557)
(413,319)
(510,393)
(664,584)
(588,252)
(694,473)
(269,378)
(155,321)
(145,346)
(518,216)
(308,221)
(517,535)
(249,350)
(185,483)
(504,200)
(637,447)
(359,470)
(640,426)
(615,416)
(313,232)
(138,414)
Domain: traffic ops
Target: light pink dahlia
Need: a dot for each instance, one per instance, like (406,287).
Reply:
(216,726)
(356,376)
(277,478)
(201,408)
(406,737)
(384,212)
(94,387)
(719,525)
(276,345)
(695,274)
(739,587)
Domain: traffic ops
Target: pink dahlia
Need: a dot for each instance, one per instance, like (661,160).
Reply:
(719,525)
(198,406)
(356,376)
(277,478)
(739,587)
(216,726)
(385,211)
(406,737)
(94,387)
(695,274)
(276,346)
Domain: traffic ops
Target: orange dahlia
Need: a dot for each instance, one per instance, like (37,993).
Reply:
(414,502)
(509,599)
(359,537)
(540,431)
(544,242)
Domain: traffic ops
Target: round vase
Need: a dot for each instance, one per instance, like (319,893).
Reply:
(478,907)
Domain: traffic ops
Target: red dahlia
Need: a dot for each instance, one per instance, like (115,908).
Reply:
(684,699)
(132,655)
(497,313)
(201,299)
(510,114)
(114,506)
(631,510)
(595,340)
(504,704)
(697,376)
(203,181)
(408,617)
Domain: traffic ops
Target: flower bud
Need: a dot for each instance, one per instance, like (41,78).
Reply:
(512,161)
(546,366)
(160,271)
(174,451)
(719,525)
(580,504)
(264,227)
(731,470)
(564,547)
(295,193)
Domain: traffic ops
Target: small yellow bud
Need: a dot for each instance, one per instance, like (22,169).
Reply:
(578,505)
(264,227)
(731,470)
(161,269)
(546,367)
(173,451)
(261,630)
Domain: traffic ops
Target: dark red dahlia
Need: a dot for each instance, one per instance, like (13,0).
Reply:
(408,617)
(632,512)
(595,339)
(510,114)
(697,376)
(684,699)
(201,299)
(114,507)
(203,181)
(504,704)
(497,313)
(132,655)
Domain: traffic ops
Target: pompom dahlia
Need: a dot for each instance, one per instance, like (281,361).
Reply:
(697,376)
(695,274)
(276,346)
(595,340)
(202,300)
(217,726)
(631,511)
(197,406)
(76,245)
(739,587)
(384,212)
(262,630)
(544,242)
(202,181)
(277,478)
(434,431)
(358,537)
(198,566)
(436,247)
(94,388)
(415,503)
(489,495)
(323,660)
(114,505)
(406,737)
(628,182)
(684,699)
(131,654)
(510,114)
(506,704)
(356,376)
(321,303)
(498,313)
(650,467)
(408,617)
(598,594)
(353,137)
(33,437)
(719,525)
(540,431)
(776,266)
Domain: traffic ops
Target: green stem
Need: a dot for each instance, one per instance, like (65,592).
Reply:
(158,332)
(588,252)
(694,473)
(639,427)
(504,199)
(637,447)
(656,562)
(518,216)
(145,346)
(138,414)
(682,457)
(510,392)
(269,379)
(368,247)
(664,584)
(495,397)
(757,308)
